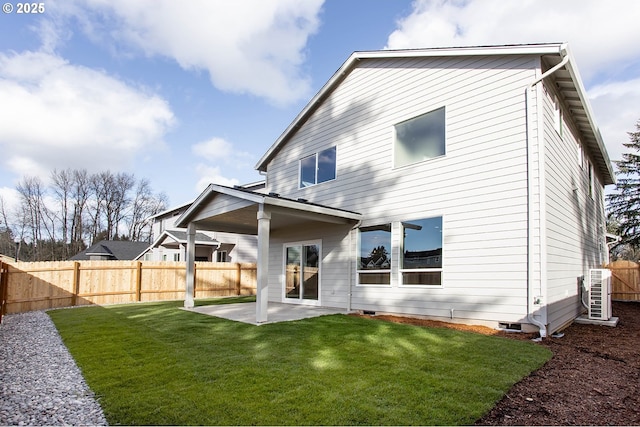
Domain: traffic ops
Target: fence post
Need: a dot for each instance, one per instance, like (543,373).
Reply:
(238,278)
(76,283)
(3,288)
(195,278)
(138,281)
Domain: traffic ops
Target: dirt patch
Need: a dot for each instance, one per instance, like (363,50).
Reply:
(593,377)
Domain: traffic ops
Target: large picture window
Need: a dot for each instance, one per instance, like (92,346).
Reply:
(420,138)
(317,168)
(374,259)
(422,252)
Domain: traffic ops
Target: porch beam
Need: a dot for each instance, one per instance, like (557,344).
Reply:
(262,288)
(191,264)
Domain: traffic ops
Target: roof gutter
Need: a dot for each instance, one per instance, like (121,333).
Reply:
(532,299)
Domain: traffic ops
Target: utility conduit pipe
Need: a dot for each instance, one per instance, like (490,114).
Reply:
(530,196)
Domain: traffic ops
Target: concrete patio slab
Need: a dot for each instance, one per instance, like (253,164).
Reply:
(277,312)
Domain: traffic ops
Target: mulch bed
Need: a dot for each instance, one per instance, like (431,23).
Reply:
(593,377)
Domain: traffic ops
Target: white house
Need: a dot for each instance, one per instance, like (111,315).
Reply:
(169,241)
(461,184)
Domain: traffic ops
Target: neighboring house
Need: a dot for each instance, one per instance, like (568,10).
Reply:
(111,250)
(169,241)
(478,172)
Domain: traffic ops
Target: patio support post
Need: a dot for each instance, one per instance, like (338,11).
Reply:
(191,263)
(262,291)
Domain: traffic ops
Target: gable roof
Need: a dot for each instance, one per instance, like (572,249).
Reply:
(113,249)
(567,80)
(179,237)
(244,218)
(179,210)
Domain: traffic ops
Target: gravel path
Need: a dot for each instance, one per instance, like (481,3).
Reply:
(40,383)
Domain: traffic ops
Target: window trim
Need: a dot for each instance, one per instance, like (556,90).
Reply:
(379,271)
(591,178)
(395,138)
(222,254)
(558,119)
(283,274)
(401,270)
(316,155)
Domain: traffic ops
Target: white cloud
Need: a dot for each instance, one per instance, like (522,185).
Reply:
(62,115)
(212,175)
(615,106)
(602,36)
(213,149)
(10,202)
(219,151)
(253,47)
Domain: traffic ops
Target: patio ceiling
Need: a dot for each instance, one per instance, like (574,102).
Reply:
(235,210)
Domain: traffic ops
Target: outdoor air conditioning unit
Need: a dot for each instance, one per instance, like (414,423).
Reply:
(599,294)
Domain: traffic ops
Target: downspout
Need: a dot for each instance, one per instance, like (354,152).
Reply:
(531,298)
(351,258)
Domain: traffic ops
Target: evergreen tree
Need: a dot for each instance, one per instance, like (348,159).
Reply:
(624,203)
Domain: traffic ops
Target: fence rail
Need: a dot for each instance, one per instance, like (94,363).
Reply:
(625,283)
(26,286)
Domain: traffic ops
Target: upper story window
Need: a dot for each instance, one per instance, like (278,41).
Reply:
(557,116)
(420,138)
(317,168)
(591,179)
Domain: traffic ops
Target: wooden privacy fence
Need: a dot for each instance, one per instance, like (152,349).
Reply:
(625,280)
(30,286)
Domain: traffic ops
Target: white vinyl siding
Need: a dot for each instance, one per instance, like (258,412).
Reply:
(335,261)
(479,187)
(575,219)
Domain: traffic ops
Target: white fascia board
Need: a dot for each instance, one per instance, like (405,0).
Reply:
(175,208)
(531,49)
(305,207)
(349,64)
(183,221)
(337,77)
(161,238)
(582,93)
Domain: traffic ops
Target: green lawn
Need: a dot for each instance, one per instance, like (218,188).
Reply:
(156,364)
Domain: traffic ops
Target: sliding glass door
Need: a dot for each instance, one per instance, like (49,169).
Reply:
(302,270)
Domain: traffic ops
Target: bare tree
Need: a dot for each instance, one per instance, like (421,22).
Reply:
(144,205)
(84,208)
(61,184)
(32,206)
(98,183)
(80,193)
(7,239)
(119,200)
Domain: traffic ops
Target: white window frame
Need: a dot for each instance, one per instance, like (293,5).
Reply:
(382,271)
(591,179)
(401,270)
(221,254)
(557,117)
(283,276)
(395,139)
(316,155)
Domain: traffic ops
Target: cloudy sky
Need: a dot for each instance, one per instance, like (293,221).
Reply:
(189,92)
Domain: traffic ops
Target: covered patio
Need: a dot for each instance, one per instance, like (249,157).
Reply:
(276,312)
(238,210)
